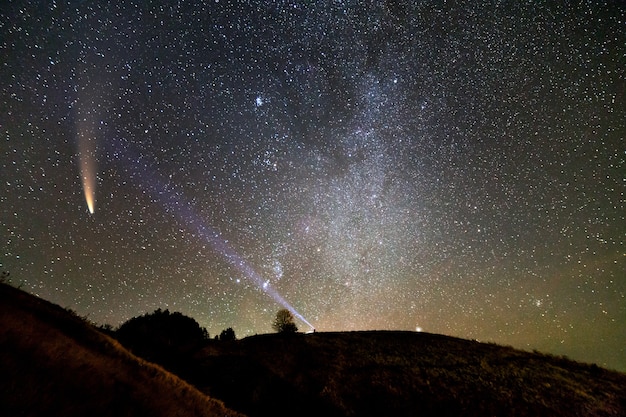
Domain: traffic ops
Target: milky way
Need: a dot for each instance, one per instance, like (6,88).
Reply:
(457,169)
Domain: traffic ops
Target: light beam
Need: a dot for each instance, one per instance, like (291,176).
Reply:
(174,202)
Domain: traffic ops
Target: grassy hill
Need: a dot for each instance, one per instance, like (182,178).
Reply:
(53,363)
(400,374)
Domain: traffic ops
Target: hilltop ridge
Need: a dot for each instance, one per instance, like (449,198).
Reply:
(395,373)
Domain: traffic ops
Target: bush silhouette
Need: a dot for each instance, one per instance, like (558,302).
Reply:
(161,335)
(284,322)
(228,334)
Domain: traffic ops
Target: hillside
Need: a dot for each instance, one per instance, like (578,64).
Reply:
(56,364)
(400,374)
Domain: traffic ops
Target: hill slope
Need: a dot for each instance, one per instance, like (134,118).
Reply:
(55,364)
(400,374)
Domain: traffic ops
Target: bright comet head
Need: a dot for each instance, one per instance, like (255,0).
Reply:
(89,197)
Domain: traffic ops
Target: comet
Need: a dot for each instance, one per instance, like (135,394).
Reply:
(88,169)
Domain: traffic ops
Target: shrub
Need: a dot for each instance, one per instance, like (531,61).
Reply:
(228,334)
(160,334)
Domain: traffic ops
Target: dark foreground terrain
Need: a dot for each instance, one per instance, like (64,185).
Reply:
(54,363)
(400,374)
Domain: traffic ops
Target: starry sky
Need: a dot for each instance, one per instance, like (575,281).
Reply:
(451,167)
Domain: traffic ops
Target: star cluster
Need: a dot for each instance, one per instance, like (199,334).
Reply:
(381,165)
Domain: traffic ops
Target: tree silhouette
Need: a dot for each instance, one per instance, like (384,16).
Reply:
(228,334)
(284,322)
(161,335)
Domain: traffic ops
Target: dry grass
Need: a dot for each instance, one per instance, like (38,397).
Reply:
(406,374)
(55,364)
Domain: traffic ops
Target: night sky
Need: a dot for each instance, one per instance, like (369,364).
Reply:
(456,169)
